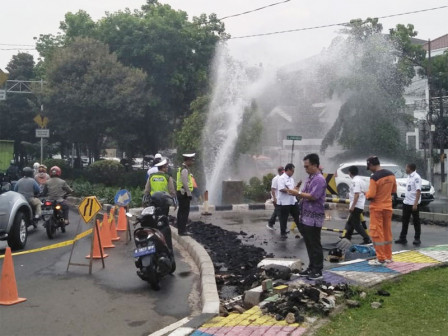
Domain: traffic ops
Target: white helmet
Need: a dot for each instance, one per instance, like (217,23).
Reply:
(36,165)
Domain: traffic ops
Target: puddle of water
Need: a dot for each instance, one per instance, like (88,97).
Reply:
(184,274)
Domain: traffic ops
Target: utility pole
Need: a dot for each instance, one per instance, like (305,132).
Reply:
(429,116)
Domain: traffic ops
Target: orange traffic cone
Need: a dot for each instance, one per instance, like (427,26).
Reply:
(113,226)
(96,245)
(122,220)
(8,286)
(106,239)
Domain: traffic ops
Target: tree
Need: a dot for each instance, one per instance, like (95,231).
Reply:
(174,52)
(376,68)
(19,110)
(91,96)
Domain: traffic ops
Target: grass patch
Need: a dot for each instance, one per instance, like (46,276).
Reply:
(417,305)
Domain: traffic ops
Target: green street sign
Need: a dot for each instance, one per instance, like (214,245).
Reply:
(293,137)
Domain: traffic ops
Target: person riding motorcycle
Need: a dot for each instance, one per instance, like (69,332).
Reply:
(42,177)
(28,187)
(160,182)
(36,166)
(12,172)
(56,189)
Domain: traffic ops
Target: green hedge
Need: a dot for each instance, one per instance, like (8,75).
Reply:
(105,194)
(258,190)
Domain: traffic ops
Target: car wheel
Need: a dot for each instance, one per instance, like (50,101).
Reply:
(18,235)
(343,190)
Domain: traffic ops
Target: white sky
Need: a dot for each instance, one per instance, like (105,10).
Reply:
(20,21)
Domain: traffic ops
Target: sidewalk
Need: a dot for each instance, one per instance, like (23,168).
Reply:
(253,322)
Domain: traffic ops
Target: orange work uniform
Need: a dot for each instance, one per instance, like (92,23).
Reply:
(382,185)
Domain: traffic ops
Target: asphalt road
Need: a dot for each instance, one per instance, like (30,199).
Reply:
(254,224)
(110,301)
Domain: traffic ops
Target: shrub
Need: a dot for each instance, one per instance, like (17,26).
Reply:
(256,190)
(107,172)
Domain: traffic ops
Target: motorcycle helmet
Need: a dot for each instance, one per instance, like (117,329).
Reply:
(55,171)
(28,172)
(161,199)
(36,165)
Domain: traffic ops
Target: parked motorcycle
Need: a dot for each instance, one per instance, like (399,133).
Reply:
(53,216)
(153,254)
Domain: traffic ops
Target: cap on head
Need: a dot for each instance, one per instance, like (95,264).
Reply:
(189,156)
(27,171)
(161,163)
(158,156)
(372,161)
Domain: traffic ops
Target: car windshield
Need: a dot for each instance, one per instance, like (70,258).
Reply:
(397,170)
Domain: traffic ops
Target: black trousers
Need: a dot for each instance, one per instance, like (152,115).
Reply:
(285,211)
(183,212)
(406,218)
(275,214)
(311,236)
(354,223)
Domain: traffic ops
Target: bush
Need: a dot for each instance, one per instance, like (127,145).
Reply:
(105,194)
(256,190)
(107,172)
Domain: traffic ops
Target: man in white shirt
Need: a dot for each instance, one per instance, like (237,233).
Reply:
(356,208)
(287,203)
(410,205)
(274,195)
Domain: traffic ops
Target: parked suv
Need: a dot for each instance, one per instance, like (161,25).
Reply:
(343,181)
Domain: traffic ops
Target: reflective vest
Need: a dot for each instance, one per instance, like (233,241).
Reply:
(158,182)
(179,184)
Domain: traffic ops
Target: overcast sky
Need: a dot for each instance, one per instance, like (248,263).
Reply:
(20,21)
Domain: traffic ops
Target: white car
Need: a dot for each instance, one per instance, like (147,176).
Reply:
(343,181)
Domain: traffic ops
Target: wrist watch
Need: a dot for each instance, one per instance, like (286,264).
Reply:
(300,192)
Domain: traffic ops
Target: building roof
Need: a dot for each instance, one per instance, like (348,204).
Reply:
(438,43)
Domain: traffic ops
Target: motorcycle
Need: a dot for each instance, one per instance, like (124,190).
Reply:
(53,216)
(153,252)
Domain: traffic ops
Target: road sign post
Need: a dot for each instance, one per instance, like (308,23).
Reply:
(293,138)
(88,210)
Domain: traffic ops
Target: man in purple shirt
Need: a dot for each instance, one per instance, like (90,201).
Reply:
(312,216)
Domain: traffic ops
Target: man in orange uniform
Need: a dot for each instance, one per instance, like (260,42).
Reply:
(382,185)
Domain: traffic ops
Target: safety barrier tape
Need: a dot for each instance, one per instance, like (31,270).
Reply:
(54,246)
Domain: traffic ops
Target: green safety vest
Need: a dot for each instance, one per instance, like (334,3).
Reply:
(179,180)
(158,182)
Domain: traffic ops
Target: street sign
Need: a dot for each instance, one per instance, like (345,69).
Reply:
(88,208)
(293,137)
(3,77)
(2,94)
(41,121)
(122,198)
(42,133)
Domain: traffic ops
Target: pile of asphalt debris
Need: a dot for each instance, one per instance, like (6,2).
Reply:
(303,300)
(235,263)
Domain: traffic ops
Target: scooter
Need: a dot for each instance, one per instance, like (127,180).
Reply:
(53,216)
(153,254)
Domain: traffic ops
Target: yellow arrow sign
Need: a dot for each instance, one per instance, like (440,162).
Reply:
(88,208)
(3,77)
(41,121)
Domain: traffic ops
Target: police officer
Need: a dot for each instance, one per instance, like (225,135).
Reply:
(184,182)
(410,205)
(161,181)
(154,168)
